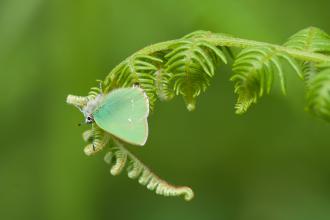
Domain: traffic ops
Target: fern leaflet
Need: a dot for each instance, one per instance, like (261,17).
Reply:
(318,94)
(190,66)
(311,39)
(254,70)
(119,156)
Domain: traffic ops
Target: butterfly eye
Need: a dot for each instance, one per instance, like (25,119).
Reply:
(89,119)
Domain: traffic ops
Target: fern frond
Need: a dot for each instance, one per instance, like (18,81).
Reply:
(311,39)
(208,34)
(120,162)
(98,140)
(190,65)
(309,70)
(318,94)
(137,70)
(78,101)
(254,70)
(186,66)
(316,75)
(162,85)
(88,135)
(197,34)
(118,157)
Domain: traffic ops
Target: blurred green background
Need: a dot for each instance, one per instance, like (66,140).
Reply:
(271,163)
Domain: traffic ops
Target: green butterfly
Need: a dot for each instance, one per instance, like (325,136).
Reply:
(123,113)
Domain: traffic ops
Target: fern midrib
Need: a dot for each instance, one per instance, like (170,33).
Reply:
(187,65)
(311,34)
(132,69)
(134,158)
(265,59)
(224,40)
(220,40)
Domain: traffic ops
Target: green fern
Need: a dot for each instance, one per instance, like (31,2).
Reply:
(310,39)
(318,94)
(190,66)
(137,70)
(254,70)
(119,156)
(186,66)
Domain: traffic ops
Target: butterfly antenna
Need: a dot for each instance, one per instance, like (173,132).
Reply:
(80,108)
(93,144)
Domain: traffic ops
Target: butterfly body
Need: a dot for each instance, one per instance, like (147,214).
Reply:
(92,105)
(122,113)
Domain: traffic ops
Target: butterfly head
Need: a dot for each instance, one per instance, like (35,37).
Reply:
(90,107)
(89,119)
(86,105)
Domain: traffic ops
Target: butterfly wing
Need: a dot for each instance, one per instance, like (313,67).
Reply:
(123,113)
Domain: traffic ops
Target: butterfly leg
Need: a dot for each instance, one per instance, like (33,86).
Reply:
(93,146)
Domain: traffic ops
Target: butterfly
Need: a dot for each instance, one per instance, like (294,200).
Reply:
(122,112)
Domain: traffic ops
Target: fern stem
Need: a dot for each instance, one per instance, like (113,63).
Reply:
(223,40)
(229,41)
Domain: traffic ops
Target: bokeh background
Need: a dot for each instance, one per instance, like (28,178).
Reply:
(272,163)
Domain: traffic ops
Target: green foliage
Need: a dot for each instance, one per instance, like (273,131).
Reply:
(316,75)
(189,66)
(310,39)
(118,157)
(254,70)
(137,70)
(185,67)
(318,93)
